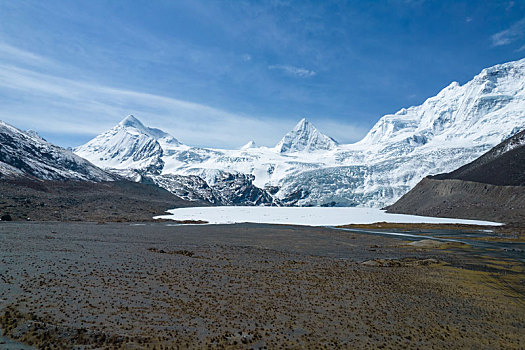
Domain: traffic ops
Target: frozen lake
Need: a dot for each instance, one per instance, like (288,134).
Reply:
(313,216)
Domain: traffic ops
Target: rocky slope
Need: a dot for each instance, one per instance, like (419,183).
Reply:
(222,189)
(504,165)
(24,199)
(306,167)
(491,187)
(41,181)
(27,154)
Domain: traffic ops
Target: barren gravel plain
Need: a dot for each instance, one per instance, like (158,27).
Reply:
(249,286)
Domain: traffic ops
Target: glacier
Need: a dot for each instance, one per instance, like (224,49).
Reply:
(308,168)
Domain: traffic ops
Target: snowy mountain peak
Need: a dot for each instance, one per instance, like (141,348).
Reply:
(305,137)
(35,134)
(485,107)
(131,121)
(129,144)
(303,123)
(249,145)
(132,124)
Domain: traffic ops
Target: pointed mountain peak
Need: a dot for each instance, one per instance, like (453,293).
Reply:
(131,121)
(131,124)
(249,145)
(304,124)
(35,134)
(305,137)
(129,145)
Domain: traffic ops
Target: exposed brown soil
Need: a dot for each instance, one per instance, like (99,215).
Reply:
(180,252)
(400,262)
(249,286)
(25,199)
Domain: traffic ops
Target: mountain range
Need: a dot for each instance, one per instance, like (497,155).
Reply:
(309,168)
(44,182)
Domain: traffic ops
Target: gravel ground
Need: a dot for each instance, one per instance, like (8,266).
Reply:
(24,199)
(159,285)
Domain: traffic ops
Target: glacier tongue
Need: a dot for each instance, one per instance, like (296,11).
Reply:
(309,168)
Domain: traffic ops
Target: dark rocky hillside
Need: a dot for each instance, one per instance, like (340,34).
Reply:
(491,187)
(504,165)
(44,200)
(463,199)
(27,154)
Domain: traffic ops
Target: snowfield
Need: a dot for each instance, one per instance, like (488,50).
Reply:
(311,216)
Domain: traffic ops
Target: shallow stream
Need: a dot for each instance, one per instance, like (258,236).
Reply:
(477,240)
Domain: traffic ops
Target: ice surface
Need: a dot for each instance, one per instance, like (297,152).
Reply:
(312,216)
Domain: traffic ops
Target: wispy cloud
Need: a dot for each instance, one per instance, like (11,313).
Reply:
(11,53)
(296,71)
(39,93)
(509,35)
(55,103)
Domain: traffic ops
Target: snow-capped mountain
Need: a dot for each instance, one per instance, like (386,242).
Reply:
(250,144)
(129,145)
(27,154)
(305,137)
(308,168)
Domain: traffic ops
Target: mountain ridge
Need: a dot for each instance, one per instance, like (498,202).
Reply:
(41,181)
(309,168)
(27,154)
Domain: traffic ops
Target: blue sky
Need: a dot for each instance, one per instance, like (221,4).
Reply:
(221,73)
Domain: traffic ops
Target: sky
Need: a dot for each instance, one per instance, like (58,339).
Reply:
(222,73)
